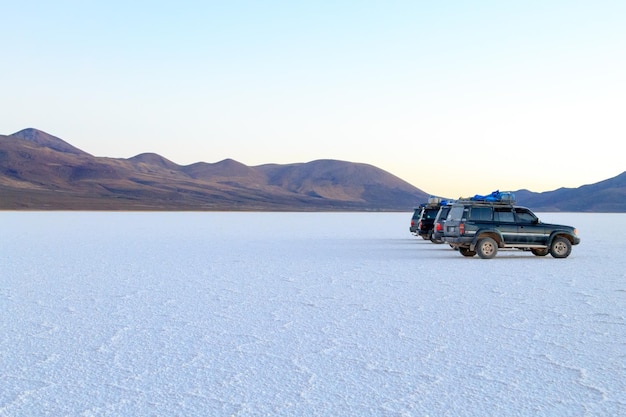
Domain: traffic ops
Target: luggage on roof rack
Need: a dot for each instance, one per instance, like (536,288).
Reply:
(434,200)
(496,197)
(439,201)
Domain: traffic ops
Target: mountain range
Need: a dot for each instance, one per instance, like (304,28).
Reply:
(39,171)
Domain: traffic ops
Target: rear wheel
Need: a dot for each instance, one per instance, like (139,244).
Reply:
(467,252)
(486,248)
(560,248)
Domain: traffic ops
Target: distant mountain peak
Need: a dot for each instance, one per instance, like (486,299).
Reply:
(226,168)
(42,138)
(154,159)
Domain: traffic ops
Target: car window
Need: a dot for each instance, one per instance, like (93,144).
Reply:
(480,213)
(503,215)
(443,213)
(456,213)
(524,216)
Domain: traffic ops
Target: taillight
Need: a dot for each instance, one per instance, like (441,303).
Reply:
(438,227)
(461,228)
(420,225)
(412,223)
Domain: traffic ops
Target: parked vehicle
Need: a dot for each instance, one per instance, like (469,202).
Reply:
(440,221)
(417,212)
(484,224)
(427,219)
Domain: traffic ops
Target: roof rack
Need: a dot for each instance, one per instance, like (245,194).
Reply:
(438,201)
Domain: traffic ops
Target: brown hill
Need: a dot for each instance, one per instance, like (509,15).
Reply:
(44,139)
(39,171)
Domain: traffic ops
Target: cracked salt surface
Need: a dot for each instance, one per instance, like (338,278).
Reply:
(291,314)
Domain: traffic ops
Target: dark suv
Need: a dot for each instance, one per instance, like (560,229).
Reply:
(427,219)
(479,226)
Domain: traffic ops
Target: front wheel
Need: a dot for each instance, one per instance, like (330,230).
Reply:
(560,248)
(486,248)
(467,252)
(540,251)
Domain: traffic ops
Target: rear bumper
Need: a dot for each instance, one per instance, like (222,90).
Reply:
(459,241)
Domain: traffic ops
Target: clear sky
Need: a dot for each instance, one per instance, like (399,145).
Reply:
(455,97)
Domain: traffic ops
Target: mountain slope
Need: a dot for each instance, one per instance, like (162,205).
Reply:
(604,196)
(44,139)
(40,171)
(332,179)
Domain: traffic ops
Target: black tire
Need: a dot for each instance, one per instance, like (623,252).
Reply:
(560,248)
(436,241)
(467,252)
(540,251)
(486,248)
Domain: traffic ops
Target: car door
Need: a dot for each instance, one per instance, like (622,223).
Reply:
(529,228)
(504,221)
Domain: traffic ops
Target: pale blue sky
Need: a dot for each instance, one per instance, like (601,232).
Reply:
(456,97)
